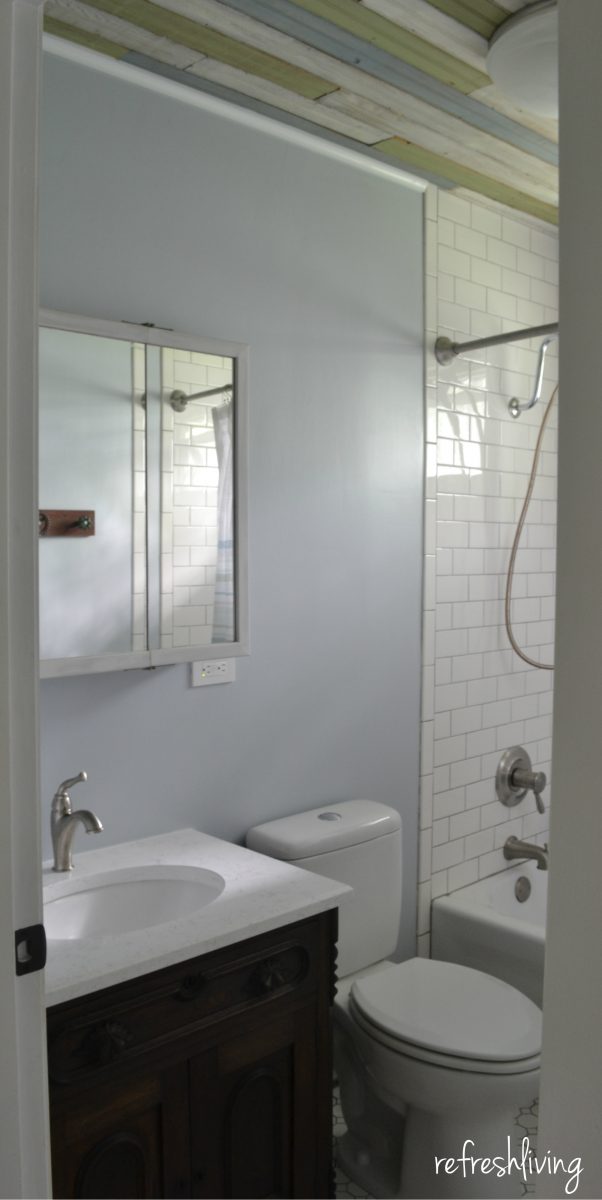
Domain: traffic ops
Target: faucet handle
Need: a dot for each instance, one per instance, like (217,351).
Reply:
(539,783)
(530,781)
(62,791)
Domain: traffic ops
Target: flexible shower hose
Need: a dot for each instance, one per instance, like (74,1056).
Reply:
(515,545)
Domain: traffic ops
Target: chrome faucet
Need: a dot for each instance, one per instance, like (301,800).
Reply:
(64,822)
(514,848)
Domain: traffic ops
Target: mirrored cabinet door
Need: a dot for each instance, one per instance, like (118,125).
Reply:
(141,489)
(91,496)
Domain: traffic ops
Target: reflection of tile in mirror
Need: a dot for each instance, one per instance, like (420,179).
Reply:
(139,632)
(190,493)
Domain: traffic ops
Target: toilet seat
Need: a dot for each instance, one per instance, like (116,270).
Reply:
(449,1062)
(450,1016)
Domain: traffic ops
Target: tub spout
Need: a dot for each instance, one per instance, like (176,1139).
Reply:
(514,848)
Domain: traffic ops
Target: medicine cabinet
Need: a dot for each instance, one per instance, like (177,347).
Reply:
(142,496)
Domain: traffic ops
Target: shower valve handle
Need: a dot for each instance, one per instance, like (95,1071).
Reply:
(515,777)
(530,781)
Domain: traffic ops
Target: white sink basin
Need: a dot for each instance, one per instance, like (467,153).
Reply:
(135,898)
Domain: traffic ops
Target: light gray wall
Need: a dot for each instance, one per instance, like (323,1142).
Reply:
(571,1095)
(153,209)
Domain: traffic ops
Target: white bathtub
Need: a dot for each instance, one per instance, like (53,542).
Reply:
(486,927)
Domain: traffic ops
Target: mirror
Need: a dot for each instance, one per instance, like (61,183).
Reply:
(142,476)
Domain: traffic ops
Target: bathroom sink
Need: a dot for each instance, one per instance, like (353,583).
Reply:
(127,900)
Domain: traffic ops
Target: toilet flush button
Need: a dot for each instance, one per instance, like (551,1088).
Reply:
(329,816)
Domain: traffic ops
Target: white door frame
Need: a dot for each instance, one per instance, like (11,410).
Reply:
(24,1141)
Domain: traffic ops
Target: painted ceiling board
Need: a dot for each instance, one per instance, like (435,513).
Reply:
(89,22)
(483,16)
(82,37)
(271,93)
(452,140)
(398,41)
(420,17)
(463,177)
(427,22)
(239,25)
(158,20)
(322,34)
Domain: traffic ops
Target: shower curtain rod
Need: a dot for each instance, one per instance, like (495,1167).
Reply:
(446,350)
(179,399)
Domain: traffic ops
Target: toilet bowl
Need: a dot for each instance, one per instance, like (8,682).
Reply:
(455,1076)
(434,1060)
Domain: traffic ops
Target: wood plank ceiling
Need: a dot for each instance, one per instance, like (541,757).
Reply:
(401,80)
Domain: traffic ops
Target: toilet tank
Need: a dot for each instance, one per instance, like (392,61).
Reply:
(357,842)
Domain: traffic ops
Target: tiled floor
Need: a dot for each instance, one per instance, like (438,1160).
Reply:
(344,1186)
(526,1126)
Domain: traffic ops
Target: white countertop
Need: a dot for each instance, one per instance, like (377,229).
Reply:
(260,894)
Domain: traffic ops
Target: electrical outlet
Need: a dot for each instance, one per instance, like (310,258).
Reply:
(214,670)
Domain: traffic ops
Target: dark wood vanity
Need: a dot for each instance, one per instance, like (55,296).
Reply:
(211,1078)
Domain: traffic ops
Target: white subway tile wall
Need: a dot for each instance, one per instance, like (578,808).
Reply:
(487,272)
(189,497)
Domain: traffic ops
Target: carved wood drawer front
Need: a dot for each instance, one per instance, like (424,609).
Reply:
(99,1031)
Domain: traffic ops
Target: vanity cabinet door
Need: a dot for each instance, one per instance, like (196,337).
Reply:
(256,1129)
(127,1139)
(210,1078)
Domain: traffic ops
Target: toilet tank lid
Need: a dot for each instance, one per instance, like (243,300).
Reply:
(321,830)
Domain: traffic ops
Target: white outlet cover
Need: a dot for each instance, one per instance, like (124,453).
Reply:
(212,671)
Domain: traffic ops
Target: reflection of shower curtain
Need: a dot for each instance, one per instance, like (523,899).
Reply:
(223,612)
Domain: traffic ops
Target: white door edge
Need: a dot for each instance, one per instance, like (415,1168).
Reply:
(24,1140)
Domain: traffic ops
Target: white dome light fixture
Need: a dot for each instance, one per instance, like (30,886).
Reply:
(523,58)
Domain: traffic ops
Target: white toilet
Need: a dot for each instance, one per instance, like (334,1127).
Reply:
(429,1055)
